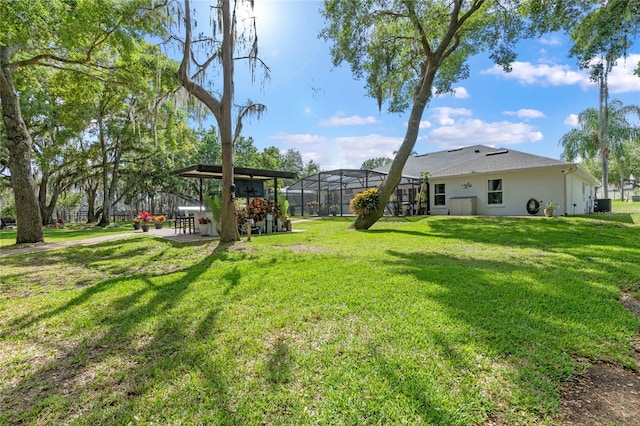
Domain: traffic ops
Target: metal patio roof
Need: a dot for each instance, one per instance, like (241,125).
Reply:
(346,179)
(214,171)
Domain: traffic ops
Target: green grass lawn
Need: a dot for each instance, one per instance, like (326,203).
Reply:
(70,232)
(439,320)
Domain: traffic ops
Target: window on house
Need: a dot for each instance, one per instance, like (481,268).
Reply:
(438,194)
(494,191)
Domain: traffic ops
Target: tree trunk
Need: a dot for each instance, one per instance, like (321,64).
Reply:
(603,121)
(19,145)
(45,214)
(91,190)
(228,226)
(395,172)
(106,193)
(221,110)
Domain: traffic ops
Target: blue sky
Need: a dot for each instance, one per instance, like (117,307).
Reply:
(325,113)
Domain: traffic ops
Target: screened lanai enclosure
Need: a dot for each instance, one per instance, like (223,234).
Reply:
(330,192)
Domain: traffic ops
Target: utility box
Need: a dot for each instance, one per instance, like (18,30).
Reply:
(463,206)
(602,205)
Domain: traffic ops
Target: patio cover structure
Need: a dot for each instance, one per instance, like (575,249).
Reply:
(337,187)
(214,171)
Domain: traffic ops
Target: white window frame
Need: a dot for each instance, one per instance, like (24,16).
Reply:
(436,194)
(500,191)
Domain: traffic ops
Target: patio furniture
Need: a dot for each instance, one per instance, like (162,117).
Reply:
(254,229)
(184,221)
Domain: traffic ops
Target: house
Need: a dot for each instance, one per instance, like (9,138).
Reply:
(480,180)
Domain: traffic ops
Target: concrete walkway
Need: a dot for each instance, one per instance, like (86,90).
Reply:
(164,233)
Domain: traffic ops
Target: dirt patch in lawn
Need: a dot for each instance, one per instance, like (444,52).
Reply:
(302,248)
(606,393)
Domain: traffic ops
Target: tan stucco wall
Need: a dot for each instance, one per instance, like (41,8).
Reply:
(518,187)
(580,195)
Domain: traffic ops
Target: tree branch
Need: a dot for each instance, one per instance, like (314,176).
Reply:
(193,88)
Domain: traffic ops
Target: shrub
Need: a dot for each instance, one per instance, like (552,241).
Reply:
(258,209)
(366,202)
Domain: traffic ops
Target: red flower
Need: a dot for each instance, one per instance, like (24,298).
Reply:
(145,216)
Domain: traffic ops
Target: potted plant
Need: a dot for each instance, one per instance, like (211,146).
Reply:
(159,221)
(257,210)
(203,223)
(145,219)
(549,207)
(334,208)
(136,223)
(365,202)
(313,207)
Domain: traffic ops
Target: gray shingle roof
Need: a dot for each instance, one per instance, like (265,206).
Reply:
(474,159)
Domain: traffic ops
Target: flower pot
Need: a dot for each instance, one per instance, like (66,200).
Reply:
(145,227)
(136,226)
(204,229)
(548,212)
(158,225)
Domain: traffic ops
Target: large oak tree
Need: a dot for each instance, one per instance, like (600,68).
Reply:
(62,35)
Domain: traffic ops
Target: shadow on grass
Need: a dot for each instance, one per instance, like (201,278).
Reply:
(58,386)
(539,233)
(531,321)
(279,363)
(418,392)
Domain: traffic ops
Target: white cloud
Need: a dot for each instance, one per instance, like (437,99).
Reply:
(444,115)
(621,78)
(473,131)
(460,93)
(543,74)
(339,119)
(526,113)
(571,120)
(354,150)
(457,128)
(551,41)
(342,151)
(297,139)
